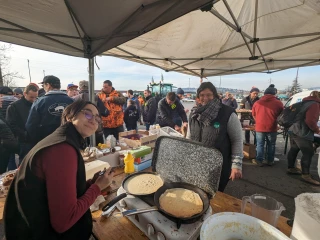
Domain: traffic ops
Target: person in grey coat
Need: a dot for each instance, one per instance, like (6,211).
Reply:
(217,126)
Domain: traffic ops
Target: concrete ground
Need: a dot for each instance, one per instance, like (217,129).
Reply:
(273,181)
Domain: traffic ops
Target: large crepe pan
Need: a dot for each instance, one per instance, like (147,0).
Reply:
(123,195)
(157,207)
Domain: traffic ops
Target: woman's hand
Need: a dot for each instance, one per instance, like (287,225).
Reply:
(235,173)
(105,180)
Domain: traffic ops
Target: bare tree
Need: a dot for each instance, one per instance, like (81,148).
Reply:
(7,77)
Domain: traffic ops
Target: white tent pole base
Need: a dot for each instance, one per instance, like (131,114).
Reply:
(91,93)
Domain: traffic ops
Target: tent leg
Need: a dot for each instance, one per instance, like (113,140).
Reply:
(91,93)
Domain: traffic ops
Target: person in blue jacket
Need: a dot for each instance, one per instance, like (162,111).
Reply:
(45,114)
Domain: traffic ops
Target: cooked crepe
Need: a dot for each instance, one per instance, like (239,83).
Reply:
(143,184)
(180,202)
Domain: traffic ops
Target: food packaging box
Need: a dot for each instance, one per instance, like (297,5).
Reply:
(95,166)
(249,151)
(136,139)
(147,157)
(142,166)
(168,131)
(141,151)
(112,158)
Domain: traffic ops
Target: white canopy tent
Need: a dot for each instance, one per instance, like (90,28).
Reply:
(85,28)
(235,36)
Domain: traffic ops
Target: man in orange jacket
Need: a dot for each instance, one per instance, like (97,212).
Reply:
(113,100)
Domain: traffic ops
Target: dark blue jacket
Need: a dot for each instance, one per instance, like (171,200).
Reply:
(135,99)
(45,115)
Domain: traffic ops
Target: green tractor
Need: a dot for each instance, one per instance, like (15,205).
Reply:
(160,90)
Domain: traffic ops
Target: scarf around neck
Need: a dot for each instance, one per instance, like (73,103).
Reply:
(205,114)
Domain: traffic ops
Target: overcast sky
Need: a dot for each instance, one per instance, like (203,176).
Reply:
(129,75)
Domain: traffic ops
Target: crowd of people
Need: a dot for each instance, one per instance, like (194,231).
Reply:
(48,130)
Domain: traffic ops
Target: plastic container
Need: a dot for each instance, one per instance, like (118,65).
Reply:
(307,217)
(112,158)
(228,225)
(168,131)
(128,163)
(263,207)
(142,166)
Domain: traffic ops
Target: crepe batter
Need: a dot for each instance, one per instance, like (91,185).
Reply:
(181,202)
(143,184)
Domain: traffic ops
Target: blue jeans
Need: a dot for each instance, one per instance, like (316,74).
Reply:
(270,138)
(148,126)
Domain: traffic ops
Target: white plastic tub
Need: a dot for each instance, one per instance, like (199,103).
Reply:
(230,225)
(168,131)
(307,217)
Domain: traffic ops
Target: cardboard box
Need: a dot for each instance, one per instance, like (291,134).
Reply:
(249,151)
(141,138)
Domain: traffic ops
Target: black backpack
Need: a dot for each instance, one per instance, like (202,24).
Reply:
(293,113)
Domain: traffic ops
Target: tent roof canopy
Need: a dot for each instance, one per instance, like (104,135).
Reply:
(235,36)
(85,28)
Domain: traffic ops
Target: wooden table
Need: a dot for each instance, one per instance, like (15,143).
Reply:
(2,201)
(115,228)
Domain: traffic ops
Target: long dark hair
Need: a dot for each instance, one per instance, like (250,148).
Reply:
(73,109)
(210,86)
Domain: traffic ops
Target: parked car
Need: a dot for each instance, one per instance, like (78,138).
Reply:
(188,100)
(298,97)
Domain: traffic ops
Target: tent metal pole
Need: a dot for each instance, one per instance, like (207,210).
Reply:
(293,60)
(142,59)
(150,63)
(75,25)
(227,22)
(238,27)
(91,93)
(223,51)
(40,34)
(255,28)
(185,68)
(234,70)
(292,46)
(75,17)
(290,36)
(119,28)
(301,65)
(45,33)
(264,60)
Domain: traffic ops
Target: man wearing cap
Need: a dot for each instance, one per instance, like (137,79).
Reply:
(45,114)
(18,93)
(113,101)
(17,115)
(265,112)
(7,97)
(176,117)
(247,103)
(72,90)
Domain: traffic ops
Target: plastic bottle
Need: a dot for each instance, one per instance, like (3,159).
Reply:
(129,163)
(113,141)
(158,129)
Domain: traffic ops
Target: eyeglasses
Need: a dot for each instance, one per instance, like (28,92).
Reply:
(206,95)
(89,115)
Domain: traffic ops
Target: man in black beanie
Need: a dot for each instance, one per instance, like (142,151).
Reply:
(247,103)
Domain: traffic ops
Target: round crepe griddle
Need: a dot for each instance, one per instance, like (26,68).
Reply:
(166,186)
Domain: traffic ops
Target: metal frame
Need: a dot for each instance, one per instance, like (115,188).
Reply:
(261,58)
(40,34)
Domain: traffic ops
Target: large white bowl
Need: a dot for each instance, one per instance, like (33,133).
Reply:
(237,226)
